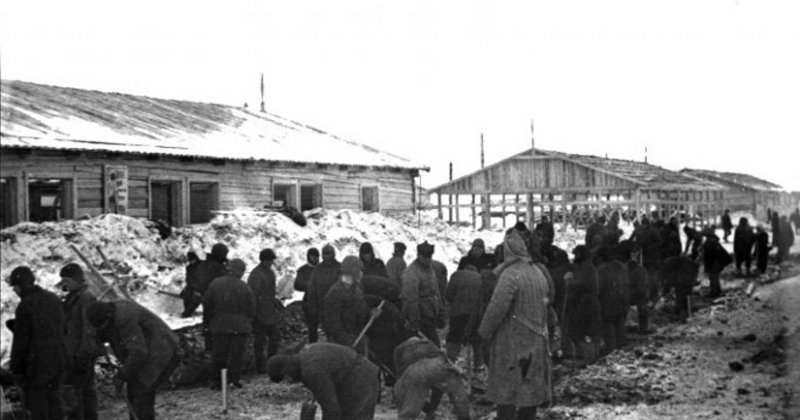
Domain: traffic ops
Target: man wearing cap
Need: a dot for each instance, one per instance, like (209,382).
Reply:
(83,346)
(265,324)
(344,384)
(614,296)
(325,274)
(38,351)
(345,309)
(372,266)
(228,308)
(477,257)
(146,346)
(397,264)
(422,303)
(301,283)
(213,267)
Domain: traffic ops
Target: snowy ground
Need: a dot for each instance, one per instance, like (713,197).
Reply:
(680,371)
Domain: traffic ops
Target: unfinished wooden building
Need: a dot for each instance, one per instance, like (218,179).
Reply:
(69,152)
(747,193)
(574,189)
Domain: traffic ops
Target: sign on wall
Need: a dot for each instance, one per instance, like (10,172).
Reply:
(116,189)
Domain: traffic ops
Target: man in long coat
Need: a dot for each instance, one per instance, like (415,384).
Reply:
(344,384)
(727,224)
(324,276)
(191,294)
(265,323)
(614,298)
(38,352)
(422,302)
(515,322)
(146,346)
(228,308)
(743,239)
(715,259)
(761,249)
(463,294)
(301,283)
(585,323)
(83,346)
(397,264)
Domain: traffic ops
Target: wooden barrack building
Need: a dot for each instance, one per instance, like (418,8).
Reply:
(66,153)
(573,188)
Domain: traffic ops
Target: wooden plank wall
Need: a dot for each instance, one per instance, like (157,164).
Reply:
(241,184)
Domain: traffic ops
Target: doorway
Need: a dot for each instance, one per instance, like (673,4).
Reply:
(49,199)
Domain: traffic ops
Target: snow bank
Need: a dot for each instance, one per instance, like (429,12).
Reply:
(150,263)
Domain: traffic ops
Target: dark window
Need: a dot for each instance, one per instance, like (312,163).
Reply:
(283,195)
(369,199)
(49,199)
(203,201)
(165,201)
(310,197)
(8,202)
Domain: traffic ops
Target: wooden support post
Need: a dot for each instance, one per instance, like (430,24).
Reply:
(564,212)
(503,209)
(472,208)
(487,211)
(638,205)
(458,211)
(516,208)
(450,208)
(439,205)
(528,209)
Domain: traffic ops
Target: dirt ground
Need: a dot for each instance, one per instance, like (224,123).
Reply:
(737,357)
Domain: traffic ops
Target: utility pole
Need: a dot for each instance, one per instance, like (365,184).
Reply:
(645,154)
(451,171)
(482,165)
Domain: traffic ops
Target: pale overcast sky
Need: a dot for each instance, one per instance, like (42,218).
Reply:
(703,84)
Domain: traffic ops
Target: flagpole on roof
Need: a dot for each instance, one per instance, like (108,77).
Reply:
(263,108)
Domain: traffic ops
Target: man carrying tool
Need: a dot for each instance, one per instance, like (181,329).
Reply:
(345,311)
(344,384)
(83,346)
(147,347)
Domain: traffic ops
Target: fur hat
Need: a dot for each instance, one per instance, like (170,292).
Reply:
(352,265)
(425,249)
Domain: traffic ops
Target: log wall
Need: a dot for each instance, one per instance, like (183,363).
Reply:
(237,183)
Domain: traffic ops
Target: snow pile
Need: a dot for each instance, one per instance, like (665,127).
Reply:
(150,263)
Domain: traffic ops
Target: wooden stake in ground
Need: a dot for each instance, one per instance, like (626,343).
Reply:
(224,379)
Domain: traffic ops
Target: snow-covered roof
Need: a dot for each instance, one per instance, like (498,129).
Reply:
(52,117)
(742,180)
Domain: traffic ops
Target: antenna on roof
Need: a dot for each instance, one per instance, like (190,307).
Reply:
(481,150)
(451,171)
(645,154)
(263,108)
(533,143)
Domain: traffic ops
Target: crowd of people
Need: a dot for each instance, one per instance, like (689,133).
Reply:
(515,311)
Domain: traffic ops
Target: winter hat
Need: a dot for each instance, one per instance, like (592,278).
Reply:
(399,247)
(266,255)
(479,243)
(329,250)
(580,251)
(192,256)
(366,248)
(312,252)
(236,267)
(220,252)
(72,271)
(99,312)
(21,276)
(352,265)
(425,249)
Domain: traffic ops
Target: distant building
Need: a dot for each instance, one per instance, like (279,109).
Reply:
(747,193)
(70,152)
(574,188)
